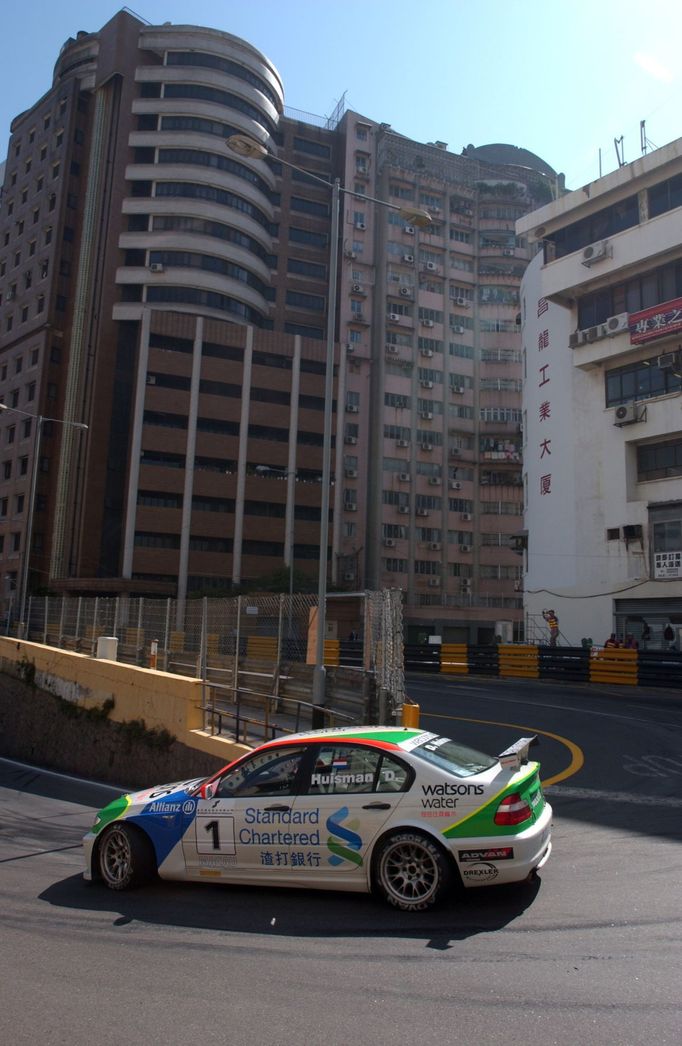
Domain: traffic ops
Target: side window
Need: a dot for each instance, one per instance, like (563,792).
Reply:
(345,769)
(273,772)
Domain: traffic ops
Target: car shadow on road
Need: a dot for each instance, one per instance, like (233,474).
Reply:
(298,913)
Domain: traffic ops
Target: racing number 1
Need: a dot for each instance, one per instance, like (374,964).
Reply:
(215,832)
(212,827)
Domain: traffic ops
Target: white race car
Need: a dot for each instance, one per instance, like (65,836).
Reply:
(401,811)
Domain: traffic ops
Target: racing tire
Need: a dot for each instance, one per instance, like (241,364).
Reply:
(125,858)
(411,871)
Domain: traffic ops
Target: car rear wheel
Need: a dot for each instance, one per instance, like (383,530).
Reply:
(126,857)
(412,872)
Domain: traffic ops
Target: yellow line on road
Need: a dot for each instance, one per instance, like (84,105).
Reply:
(577,757)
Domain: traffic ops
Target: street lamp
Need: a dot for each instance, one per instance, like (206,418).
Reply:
(249,148)
(39,419)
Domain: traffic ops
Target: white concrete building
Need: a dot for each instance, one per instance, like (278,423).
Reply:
(602,341)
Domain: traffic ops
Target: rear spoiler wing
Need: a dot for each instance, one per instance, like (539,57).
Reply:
(517,754)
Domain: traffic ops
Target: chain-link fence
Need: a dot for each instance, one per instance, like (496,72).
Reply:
(251,648)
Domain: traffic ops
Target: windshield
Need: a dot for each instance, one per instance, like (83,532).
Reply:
(453,757)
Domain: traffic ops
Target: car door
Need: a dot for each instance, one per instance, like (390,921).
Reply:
(349,794)
(243,829)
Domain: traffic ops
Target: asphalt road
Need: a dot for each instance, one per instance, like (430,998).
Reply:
(592,953)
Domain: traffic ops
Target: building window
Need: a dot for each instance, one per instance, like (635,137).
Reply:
(639,381)
(659,460)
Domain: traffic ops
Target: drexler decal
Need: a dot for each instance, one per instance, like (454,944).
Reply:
(491,853)
(484,872)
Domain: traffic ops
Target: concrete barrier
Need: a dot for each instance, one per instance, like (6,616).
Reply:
(163,700)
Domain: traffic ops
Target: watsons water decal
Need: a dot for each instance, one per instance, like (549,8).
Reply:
(444,796)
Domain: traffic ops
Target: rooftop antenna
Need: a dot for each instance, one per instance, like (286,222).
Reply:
(645,142)
(619,153)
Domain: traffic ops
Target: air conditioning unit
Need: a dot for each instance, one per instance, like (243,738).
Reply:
(426,384)
(361,226)
(458,330)
(426,415)
(350,473)
(404,477)
(668,361)
(409,258)
(509,252)
(465,548)
(632,532)
(435,546)
(616,324)
(409,229)
(466,584)
(427,353)
(626,414)
(349,576)
(466,516)
(351,254)
(594,333)
(402,443)
(595,252)
(404,510)
(350,349)
(392,350)
(394,317)
(351,408)
(434,481)
(357,288)
(156,267)
(458,389)
(427,323)
(406,292)
(431,266)
(462,302)
(350,506)
(427,446)
(151,379)
(350,440)
(455,485)
(389,542)
(422,512)
(455,452)
(434,582)
(575,339)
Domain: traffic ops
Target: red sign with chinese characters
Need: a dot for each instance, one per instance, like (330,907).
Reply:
(655,322)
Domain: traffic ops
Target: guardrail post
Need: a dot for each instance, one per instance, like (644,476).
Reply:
(166,638)
(61,622)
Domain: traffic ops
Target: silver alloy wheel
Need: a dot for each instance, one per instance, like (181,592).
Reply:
(116,858)
(409,871)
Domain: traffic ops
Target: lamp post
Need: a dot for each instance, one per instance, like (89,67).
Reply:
(252,149)
(39,420)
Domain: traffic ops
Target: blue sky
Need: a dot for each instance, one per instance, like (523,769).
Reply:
(561,79)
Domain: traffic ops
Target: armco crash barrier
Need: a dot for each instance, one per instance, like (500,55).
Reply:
(569,664)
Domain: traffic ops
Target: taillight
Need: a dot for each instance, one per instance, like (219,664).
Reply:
(513,810)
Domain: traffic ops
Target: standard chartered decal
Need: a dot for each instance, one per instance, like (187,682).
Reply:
(274,834)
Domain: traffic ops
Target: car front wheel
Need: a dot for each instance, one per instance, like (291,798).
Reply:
(412,872)
(126,857)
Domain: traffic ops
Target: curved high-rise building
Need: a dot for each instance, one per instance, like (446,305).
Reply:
(198,233)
